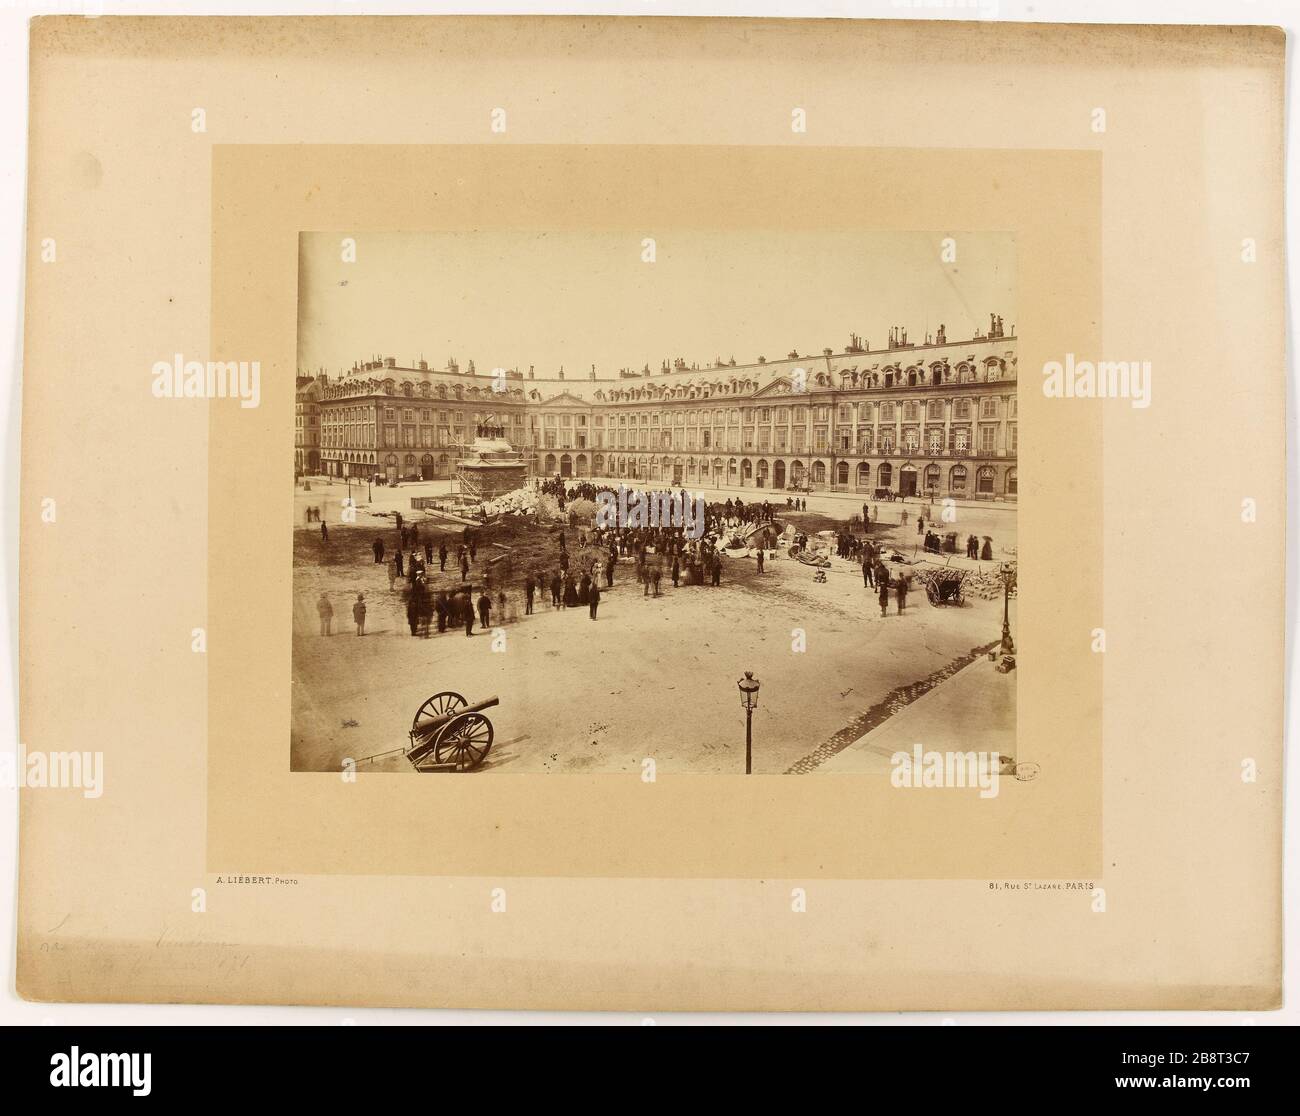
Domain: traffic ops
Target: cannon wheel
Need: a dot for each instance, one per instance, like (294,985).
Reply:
(440,705)
(465,741)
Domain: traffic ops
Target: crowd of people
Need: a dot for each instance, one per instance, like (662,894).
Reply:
(574,580)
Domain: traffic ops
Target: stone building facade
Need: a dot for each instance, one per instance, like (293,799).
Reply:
(933,417)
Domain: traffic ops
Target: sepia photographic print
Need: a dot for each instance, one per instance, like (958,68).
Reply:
(722,503)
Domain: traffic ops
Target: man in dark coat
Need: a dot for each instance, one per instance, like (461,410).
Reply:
(882,582)
(484,610)
(440,605)
(593,599)
(556,586)
(717,568)
(378,547)
(413,609)
(900,592)
(530,587)
(442,556)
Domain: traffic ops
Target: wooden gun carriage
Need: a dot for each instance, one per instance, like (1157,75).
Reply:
(450,734)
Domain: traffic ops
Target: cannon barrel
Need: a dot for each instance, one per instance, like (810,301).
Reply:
(429,728)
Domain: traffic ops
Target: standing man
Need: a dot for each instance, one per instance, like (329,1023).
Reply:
(900,591)
(326,611)
(717,568)
(556,586)
(868,560)
(609,571)
(398,563)
(324,532)
(378,547)
(359,614)
(760,559)
(593,599)
(530,587)
(464,565)
(442,555)
(882,582)
(468,613)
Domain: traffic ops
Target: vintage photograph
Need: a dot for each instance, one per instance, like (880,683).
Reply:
(685,502)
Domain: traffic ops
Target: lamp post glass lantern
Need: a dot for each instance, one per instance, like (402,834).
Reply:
(749,699)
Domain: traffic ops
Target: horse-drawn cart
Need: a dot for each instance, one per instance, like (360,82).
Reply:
(943,585)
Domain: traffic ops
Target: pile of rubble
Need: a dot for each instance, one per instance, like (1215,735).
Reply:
(987,586)
(522,501)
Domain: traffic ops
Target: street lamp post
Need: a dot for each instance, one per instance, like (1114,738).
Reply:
(1007,572)
(749,699)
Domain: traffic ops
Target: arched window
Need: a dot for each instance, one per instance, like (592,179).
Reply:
(885,475)
(957,480)
(842,473)
(1013,482)
(984,481)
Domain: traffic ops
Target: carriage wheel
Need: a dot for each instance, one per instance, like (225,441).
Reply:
(465,741)
(441,704)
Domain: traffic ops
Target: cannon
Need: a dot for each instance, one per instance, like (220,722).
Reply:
(448,733)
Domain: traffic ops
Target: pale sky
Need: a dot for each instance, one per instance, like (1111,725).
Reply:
(511,298)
